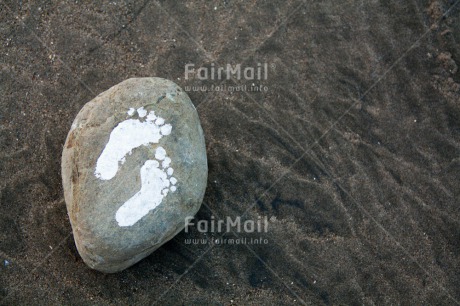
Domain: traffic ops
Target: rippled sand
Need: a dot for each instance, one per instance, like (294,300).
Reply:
(352,153)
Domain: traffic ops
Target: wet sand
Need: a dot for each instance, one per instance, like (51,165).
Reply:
(352,153)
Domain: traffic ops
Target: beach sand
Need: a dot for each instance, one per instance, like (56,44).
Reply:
(351,150)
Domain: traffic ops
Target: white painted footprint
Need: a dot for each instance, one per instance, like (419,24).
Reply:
(156,175)
(125,137)
(156,182)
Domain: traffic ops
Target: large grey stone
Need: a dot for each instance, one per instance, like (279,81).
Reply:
(123,204)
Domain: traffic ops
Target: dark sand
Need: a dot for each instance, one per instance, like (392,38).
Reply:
(354,151)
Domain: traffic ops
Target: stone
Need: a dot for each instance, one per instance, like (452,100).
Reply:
(133,168)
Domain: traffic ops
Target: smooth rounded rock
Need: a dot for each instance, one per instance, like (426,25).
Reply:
(133,168)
